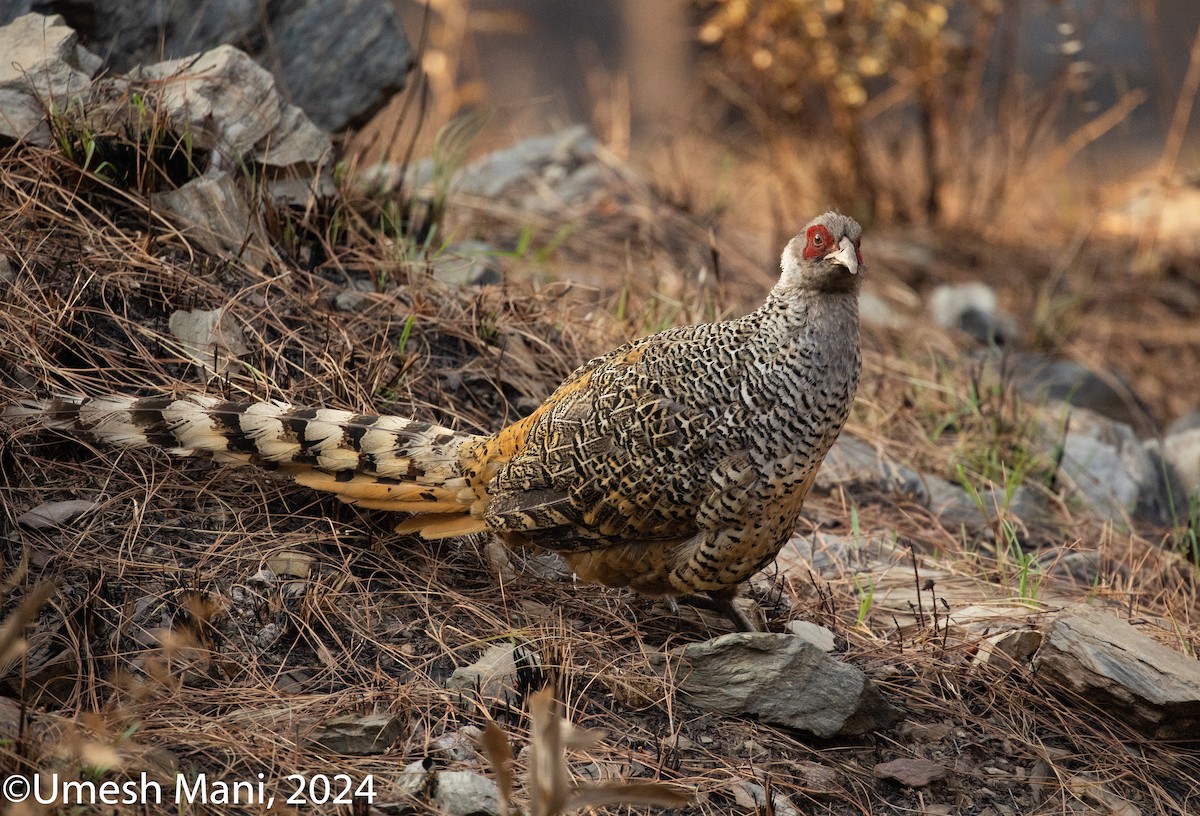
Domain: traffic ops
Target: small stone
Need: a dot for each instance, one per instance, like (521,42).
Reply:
(926,732)
(972,308)
(751,796)
(216,215)
(752,748)
(779,679)
(1008,648)
(876,310)
(813,633)
(291,563)
(461,745)
(49,515)
(267,636)
(454,793)
(815,776)
(494,674)
(349,300)
(43,62)
(1083,567)
(462,793)
(852,461)
(467,263)
(358,734)
(912,772)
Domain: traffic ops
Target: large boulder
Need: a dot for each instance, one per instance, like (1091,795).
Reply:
(338,60)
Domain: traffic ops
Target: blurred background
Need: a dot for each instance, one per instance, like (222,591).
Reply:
(914,110)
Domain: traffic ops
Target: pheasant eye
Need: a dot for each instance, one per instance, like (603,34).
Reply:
(818,241)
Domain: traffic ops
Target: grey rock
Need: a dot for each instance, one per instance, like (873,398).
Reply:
(1104,660)
(461,745)
(230,105)
(341,72)
(128,33)
(467,263)
(542,174)
(1041,379)
(1109,468)
(217,216)
(49,515)
(782,680)
(211,339)
(349,300)
(911,771)
(894,252)
(1180,452)
(972,308)
(7,274)
(753,798)
(814,633)
(853,462)
(454,793)
(550,158)
(358,734)
(43,68)
(339,60)
(1008,649)
(268,636)
(1083,567)
(824,553)
(815,776)
(1187,422)
(956,508)
(461,793)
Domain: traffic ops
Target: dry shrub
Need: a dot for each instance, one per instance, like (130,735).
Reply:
(893,94)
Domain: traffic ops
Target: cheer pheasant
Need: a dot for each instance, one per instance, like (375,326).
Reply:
(674,465)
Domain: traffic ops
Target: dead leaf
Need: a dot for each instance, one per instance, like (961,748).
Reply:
(499,753)
(55,514)
(912,771)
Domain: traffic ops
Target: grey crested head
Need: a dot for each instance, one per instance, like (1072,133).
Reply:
(824,257)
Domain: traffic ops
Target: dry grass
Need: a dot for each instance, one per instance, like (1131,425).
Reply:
(209,620)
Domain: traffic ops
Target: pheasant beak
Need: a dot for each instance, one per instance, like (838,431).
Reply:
(846,255)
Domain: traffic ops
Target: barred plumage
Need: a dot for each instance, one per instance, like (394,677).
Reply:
(674,465)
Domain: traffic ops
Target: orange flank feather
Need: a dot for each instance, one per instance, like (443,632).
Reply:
(369,492)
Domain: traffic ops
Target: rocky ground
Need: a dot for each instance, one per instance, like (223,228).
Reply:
(989,608)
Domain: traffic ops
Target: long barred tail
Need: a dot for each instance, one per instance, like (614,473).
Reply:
(376,462)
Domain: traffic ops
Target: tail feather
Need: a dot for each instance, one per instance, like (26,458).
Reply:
(376,462)
(434,527)
(404,497)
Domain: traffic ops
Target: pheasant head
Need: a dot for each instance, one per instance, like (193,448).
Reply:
(824,257)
